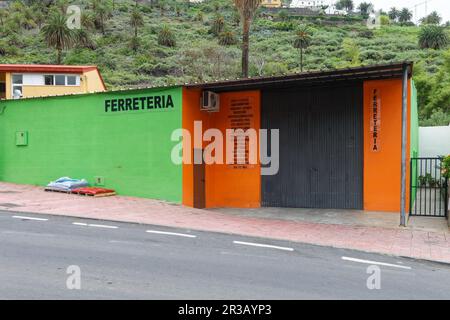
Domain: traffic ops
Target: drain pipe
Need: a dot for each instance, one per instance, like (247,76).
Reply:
(404,142)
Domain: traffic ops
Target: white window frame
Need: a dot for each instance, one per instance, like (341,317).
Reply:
(60,75)
(77,80)
(43,75)
(18,85)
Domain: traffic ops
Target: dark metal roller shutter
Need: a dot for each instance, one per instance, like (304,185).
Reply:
(321,147)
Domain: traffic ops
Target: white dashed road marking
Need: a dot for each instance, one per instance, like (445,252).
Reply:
(376,262)
(263,245)
(94,225)
(102,226)
(172,234)
(29,218)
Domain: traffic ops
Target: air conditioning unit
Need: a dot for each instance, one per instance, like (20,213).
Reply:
(17,94)
(210,101)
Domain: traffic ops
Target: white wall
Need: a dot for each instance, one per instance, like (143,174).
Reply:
(434,141)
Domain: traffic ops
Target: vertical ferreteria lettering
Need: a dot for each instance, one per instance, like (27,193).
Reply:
(375,121)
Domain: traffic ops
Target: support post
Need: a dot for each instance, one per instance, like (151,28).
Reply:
(404,143)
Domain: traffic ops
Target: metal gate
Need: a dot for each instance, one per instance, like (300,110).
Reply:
(321,147)
(428,188)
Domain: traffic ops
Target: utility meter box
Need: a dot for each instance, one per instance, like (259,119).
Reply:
(99,181)
(21,138)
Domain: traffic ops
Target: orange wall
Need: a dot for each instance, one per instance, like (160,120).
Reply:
(226,186)
(382,170)
(191,112)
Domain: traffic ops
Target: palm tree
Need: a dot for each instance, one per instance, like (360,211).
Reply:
(302,41)
(247,10)
(347,5)
(364,8)
(57,34)
(136,21)
(432,18)
(102,12)
(433,37)
(393,14)
(405,15)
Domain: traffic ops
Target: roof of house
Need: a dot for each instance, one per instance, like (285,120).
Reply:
(393,70)
(53,68)
(45,68)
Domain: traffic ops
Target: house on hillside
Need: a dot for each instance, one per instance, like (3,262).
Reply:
(311,4)
(27,80)
(334,11)
(271,3)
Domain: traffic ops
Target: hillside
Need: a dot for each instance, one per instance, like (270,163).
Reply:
(197,55)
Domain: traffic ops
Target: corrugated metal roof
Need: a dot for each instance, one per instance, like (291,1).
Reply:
(381,71)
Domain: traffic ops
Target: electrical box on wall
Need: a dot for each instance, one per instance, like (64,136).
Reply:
(22,138)
(99,181)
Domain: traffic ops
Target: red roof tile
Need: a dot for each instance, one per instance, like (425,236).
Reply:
(45,68)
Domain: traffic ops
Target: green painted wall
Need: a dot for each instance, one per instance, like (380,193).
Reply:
(74,136)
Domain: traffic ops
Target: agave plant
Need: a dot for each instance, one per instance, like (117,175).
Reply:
(84,40)
(166,37)
(227,38)
(217,25)
(433,37)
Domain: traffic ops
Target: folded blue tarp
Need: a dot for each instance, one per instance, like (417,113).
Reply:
(67,184)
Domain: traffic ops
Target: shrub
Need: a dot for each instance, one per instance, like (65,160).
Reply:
(368,34)
(217,25)
(446,166)
(384,20)
(227,38)
(285,26)
(433,37)
(375,55)
(134,43)
(166,37)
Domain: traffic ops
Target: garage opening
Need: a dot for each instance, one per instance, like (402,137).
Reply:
(321,146)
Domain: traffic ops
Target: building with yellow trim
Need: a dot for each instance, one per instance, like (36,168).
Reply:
(24,81)
(271,3)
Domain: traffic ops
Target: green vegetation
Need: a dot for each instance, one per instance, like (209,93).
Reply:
(446,166)
(433,37)
(143,43)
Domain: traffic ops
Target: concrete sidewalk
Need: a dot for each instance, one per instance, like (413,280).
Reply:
(382,237)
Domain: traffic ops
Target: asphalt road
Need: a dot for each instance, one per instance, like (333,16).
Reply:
(131,261)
